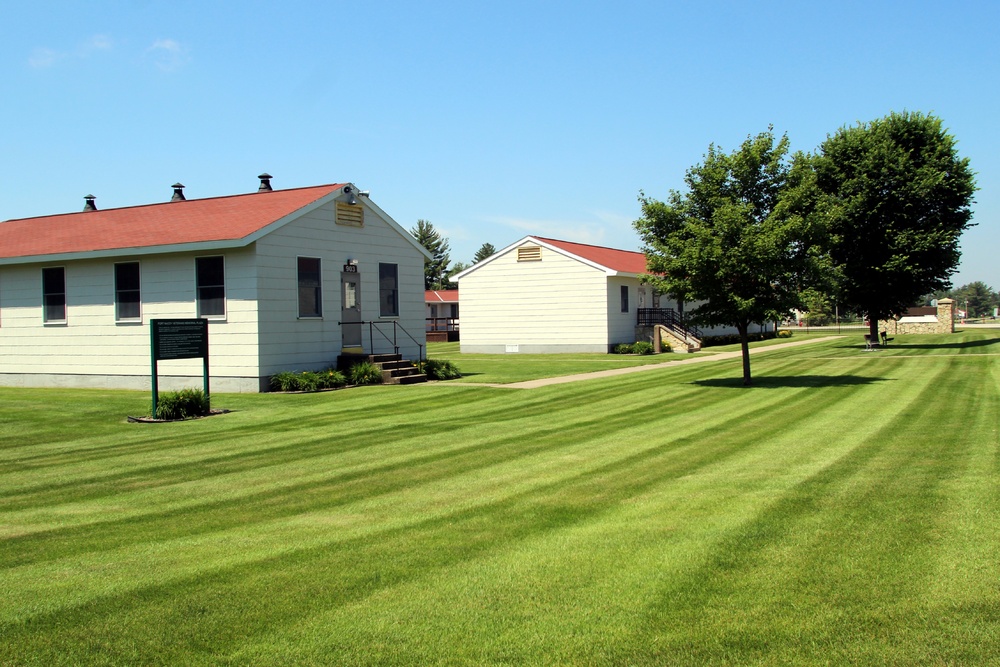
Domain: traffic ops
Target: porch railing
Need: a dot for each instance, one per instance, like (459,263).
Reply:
(442,324)
(373,327)
(668,317)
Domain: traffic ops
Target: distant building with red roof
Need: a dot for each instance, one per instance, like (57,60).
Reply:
(442,315)
(542,295)
(285,278)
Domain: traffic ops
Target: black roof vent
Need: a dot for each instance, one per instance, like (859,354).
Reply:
(265,182)
(90,205)
(178,192)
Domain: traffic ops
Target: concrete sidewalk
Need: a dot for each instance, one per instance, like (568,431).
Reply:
(562,379)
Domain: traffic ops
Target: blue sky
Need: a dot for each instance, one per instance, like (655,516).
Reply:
(491,120)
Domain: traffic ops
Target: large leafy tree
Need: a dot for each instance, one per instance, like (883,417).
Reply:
(899,198)
(435,268)
(741,239)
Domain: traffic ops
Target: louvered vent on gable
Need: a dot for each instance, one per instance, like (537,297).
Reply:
(352,215)
(529,253)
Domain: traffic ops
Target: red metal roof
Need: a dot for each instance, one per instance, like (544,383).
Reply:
(191,221)
(442,296)
(624,261)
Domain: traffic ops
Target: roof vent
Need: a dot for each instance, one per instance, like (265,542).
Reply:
(178,192)
(90,205)
(265,182)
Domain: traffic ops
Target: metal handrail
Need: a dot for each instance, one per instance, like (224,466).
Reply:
(372,328)
(395,345)
(667,317)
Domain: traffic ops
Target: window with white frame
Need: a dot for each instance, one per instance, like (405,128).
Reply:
(54,294)
(210,282)
(127,294)
(388,290)
(310,287)
(624,291)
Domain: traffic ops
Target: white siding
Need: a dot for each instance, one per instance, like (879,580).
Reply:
(557,304)
(621,326)
(261,333)
(92,344)
(290,343)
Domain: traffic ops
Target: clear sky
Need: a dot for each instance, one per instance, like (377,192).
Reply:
(491,120)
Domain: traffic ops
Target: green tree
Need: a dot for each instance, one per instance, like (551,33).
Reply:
(457,267)
(976,298)
(820,308)
(897,197)
(741,239)
(486,250)
(435,269)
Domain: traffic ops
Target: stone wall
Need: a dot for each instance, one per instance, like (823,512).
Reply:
(945,322)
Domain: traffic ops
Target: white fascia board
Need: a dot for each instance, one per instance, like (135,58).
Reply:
(496,255)
(392,223)
(566,253)
(284,220)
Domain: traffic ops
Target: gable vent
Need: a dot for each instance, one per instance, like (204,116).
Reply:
(529,253)
(351,215)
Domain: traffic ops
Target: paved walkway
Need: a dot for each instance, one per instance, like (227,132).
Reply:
(562,379)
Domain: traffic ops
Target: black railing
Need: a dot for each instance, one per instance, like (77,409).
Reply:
(373,326)
(668,317)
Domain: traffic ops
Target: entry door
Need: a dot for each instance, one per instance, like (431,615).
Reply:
(350,309)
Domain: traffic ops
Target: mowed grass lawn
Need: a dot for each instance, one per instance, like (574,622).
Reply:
(844,510)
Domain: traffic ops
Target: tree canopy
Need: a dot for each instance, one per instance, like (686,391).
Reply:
(436,268)
(741,239)
(898,197)
(486,250)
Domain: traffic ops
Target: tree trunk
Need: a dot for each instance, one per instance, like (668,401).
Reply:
(745,347)
(873,330)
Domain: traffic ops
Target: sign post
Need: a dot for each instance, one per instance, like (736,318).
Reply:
(178,339)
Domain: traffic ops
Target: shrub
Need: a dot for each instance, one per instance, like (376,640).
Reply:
(365,372)
(622,348)
(285,381)
(784,333)
(331,378)
(436,369)
(307,380)
(642,347)
(183,404)
(730,339)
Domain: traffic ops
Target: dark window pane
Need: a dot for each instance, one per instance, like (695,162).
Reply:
(127,295)
(211,271)
(388,289)
(310,295)
(54,294)
(55,307)
(211,301)
(211,284)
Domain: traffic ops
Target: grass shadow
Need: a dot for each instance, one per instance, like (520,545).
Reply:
(907,345)
(785,381)
(983,342)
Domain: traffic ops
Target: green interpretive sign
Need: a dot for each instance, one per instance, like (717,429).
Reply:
(177,339)
(180,339)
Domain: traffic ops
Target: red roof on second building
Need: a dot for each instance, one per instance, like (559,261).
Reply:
(170,223)
(624,261)
(441,296)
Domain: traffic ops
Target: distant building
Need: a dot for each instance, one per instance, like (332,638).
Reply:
(542,295)
(442,315)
